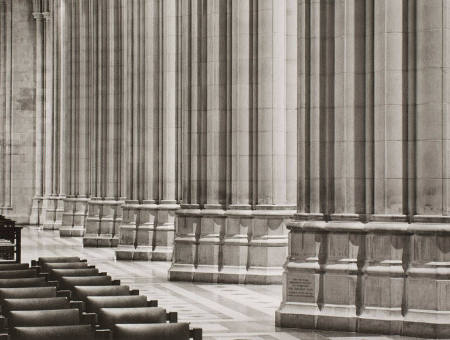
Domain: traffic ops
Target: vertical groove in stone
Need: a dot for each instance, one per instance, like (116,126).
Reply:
(143,94)
(193,133)
(93,141)
(412,102)
(51,96)
(253,102)
(186,104)
(369,111)
(202,122)
(160,98)
(304,107)
(327,112)
(240,105)
(229,102)
(359,186)
(292,85)
(98,111)
(169,98)
(126,174)
(71,98)
(149,100)
(445,107)
(134,103)
(179,171)
(314,114)
(111,95)
(85,91)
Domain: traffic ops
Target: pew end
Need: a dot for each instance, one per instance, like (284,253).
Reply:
(172,317)
(195,333)
(152,303)
(3,323)
(89,319)
(101,334)
(80,305)
(64,293)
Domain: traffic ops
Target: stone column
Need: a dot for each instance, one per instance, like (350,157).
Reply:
(368,254)
(50,202)
(149,226)
(93,212)
(188,220)
(239,221)
(238,142)
(75,204)
(105,206)
(275,138)
(168,203)
(40,61)
(130,222)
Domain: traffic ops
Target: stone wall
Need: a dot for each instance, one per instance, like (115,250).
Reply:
(17,108)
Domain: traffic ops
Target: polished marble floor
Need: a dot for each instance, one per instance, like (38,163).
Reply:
(223,311)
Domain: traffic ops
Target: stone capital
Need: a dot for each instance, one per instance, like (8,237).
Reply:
(41,16)
(37,16)
(47,16)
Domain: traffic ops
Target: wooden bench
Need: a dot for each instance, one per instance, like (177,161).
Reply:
(173,331)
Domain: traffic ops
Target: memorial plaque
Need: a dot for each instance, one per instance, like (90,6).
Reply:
(300,287)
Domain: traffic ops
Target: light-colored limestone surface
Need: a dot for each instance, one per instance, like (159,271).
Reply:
(368,247)
(17,108)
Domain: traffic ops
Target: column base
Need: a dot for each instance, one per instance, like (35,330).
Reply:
(36,211)
(377,277)
(130,253)
(152,239)
(235,246)
(296,316)
(53,207)
(75,209)
(75,231)
(100,241)
(102,223)
(211,274)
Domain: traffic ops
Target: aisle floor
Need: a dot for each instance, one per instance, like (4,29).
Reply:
(223,311)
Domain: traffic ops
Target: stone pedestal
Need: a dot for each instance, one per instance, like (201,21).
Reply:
(235,246)
(102,223)
(75,211)
(147,232)
(378,277)
(53,209)
(36,211)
